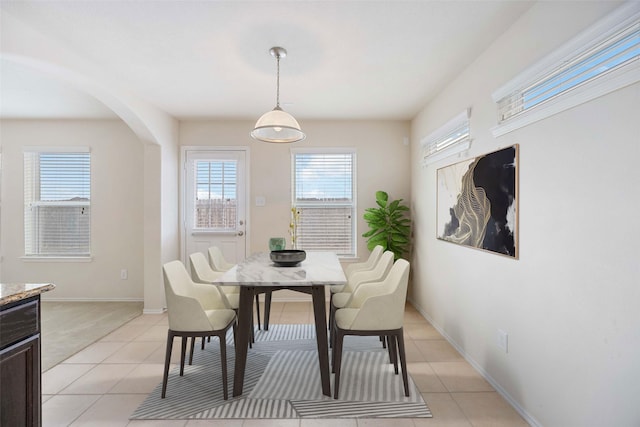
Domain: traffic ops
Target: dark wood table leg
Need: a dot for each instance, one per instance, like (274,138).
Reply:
(243,335)
(319,313)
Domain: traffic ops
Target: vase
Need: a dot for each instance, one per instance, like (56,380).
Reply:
(277,243)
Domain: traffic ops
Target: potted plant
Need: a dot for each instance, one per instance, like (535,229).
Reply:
(388,225)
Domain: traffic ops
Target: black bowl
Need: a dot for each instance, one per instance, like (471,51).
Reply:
(288,257)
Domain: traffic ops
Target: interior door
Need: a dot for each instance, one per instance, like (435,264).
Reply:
(214,202)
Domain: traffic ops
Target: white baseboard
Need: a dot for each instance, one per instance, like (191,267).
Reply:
(523,412)
(54,299)
(154,310)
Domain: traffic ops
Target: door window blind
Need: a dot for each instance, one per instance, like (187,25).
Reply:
(57,196)
(323,196)
(216,195)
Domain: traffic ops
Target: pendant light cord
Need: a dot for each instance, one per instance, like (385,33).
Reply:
(278,83)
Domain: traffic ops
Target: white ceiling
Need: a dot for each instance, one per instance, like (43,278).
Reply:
(209,59)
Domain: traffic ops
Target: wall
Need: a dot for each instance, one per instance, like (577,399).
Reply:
(381,155)
(117,209)
(569,303)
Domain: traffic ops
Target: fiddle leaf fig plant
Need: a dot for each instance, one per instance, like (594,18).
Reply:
(388,225)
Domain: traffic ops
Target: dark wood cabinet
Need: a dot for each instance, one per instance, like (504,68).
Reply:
(20,398)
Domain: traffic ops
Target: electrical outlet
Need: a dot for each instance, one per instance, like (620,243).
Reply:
(503,340)
(124,274)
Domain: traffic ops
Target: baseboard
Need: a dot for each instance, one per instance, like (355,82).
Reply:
(54,299)
(523,413)
(154,310)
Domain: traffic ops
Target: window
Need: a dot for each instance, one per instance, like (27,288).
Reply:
(324,200)
(452,138)
(604,58)
(57,197)
(216,200)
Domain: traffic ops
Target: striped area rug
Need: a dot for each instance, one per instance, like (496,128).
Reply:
(282,381)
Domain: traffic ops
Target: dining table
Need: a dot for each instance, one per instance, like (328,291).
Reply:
(258,273)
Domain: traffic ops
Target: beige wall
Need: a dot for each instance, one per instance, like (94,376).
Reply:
(569,304)
(125,169)
(382,159)
(117,209)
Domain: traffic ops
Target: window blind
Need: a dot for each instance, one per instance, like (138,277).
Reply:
(606,56)
(452,138)
(216,199)
(603,58)
(323,196)
(57,196)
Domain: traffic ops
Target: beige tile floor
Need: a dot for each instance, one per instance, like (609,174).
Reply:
(104,383)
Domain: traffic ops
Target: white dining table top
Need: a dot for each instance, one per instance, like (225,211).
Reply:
(319,268)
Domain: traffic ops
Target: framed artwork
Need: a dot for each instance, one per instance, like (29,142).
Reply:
(477,203)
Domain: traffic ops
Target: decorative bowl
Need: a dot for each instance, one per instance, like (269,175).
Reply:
(288,257)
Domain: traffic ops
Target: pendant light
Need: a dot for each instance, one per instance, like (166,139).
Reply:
(277,125)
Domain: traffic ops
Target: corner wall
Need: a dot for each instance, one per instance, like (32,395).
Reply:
(117,240)
(569,304)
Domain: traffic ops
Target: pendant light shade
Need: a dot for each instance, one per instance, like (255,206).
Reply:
(277,125)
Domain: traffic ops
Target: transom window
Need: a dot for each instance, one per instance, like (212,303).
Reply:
(603,58)
(324,200)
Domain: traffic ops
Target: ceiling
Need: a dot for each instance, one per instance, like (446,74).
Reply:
(210,59)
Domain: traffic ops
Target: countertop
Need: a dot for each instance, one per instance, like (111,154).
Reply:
(12,292)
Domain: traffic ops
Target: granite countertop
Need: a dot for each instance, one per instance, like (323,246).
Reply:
(12,292)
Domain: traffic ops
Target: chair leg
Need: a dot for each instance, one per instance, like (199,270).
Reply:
(252,338)
(193,342)
(332,315)
(337,362)
(330,323)
(267,309)
(258,310)
(167,359)
(403,361)
(223,362)
(183,350)
(393,352)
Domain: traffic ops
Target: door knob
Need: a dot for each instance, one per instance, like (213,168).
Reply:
(240,233)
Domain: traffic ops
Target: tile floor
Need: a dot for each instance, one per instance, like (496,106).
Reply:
(104,383)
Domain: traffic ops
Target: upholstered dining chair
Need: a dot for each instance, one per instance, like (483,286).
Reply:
(374,256)
(218,263)
(195,310)
(375,309)
(377,273)
(202,272)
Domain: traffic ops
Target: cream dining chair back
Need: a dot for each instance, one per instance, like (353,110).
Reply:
(370,263)
(202,272)
(218,263)
(217,260)
(194,310)
(376,309)
(377,273)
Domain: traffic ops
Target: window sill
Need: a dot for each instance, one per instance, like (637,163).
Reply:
(57,258)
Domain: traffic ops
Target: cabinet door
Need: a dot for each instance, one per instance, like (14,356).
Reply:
(20,390)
